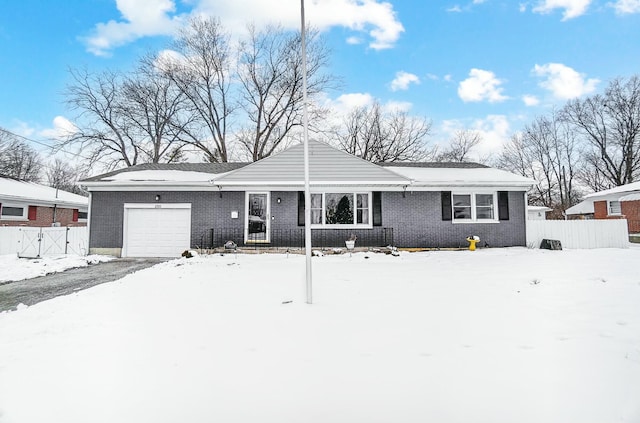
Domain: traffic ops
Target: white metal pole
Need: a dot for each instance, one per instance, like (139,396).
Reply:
(305,125)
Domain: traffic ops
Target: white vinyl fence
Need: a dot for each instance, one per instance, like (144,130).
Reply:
(40,242)
(579,233)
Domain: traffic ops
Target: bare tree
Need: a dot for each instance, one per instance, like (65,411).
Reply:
(63,176)
(379,136)
(153,106)
(270,75)
(460,145)
(125,119)
(203,73)
(547,151)
(17,159)
(610,123)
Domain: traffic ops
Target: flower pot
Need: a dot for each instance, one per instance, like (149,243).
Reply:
(350,244)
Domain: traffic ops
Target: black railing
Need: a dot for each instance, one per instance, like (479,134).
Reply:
(294,238)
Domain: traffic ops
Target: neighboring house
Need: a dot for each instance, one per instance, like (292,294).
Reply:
(161,210)
(537,212)
(621,202)
(30,204)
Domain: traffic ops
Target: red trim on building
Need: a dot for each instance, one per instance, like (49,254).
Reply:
(32,213)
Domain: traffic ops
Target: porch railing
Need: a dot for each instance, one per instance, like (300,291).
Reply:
(294,238)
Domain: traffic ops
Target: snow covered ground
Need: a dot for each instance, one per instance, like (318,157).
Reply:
(496,335)
(13,268)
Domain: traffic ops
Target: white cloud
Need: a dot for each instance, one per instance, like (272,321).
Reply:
(454,9)
(494,131)
(354,40)
(403,80)
(564,82)
(346,102)
(448,78)
(572,8)
(624,7)
(397,106)
(375,18)
(522,7)
(62,128)
(139,19)
(530,100)
(480,86)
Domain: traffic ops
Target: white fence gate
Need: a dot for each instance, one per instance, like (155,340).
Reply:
(579,233)
(39,242)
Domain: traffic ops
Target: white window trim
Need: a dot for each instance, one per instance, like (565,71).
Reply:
(609,212)
(324,225)
(25,212)
(474,219)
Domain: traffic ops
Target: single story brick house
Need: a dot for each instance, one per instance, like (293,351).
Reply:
(29,204)
(161,210)
(622,202)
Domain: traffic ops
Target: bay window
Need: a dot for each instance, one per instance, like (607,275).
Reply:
(340,208)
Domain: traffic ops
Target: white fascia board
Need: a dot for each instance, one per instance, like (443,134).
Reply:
(161,186)
(312,182)
(498,186)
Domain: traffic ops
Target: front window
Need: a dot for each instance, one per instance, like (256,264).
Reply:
(484,206)
(474,206)
(614,207)
(344,208)
(13,212)
(461,206)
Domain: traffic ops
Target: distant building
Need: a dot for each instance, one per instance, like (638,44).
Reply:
(29,204)
(621,202)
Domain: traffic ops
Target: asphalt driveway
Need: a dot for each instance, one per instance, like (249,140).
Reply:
(33,291)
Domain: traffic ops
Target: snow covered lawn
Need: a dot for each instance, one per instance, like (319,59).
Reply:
(13,268)
(497,335)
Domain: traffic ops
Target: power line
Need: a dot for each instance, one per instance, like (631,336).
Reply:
(52,148)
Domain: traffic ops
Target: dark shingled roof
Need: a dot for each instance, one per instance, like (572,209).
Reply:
(213,168)
(436,165)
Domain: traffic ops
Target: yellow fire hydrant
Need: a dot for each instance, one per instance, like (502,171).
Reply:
(472,242)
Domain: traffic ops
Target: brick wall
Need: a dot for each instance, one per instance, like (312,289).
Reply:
(107,213)
(601,211)
(416,218)
(631,210)
(44,217)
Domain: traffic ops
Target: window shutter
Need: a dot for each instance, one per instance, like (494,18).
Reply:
(377,208)
(300,208)
(503,205)
(32,212)
(446,205)
(75,215)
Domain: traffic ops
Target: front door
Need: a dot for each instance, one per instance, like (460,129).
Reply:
(257,224)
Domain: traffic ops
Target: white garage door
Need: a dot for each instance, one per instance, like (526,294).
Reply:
(156,230)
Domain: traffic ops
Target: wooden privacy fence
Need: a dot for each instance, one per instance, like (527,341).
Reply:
(579,233)
(40,242)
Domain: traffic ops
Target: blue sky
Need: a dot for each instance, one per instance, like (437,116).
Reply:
(487,65)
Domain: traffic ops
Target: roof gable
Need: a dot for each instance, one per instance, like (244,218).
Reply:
(327,165)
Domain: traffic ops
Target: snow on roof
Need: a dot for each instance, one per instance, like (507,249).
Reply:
(485,176)
(634,186)
(584,207)
(162,175)
(538,208)
(21,191)
(631,197)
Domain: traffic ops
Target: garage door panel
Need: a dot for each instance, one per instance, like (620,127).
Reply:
(157,232)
